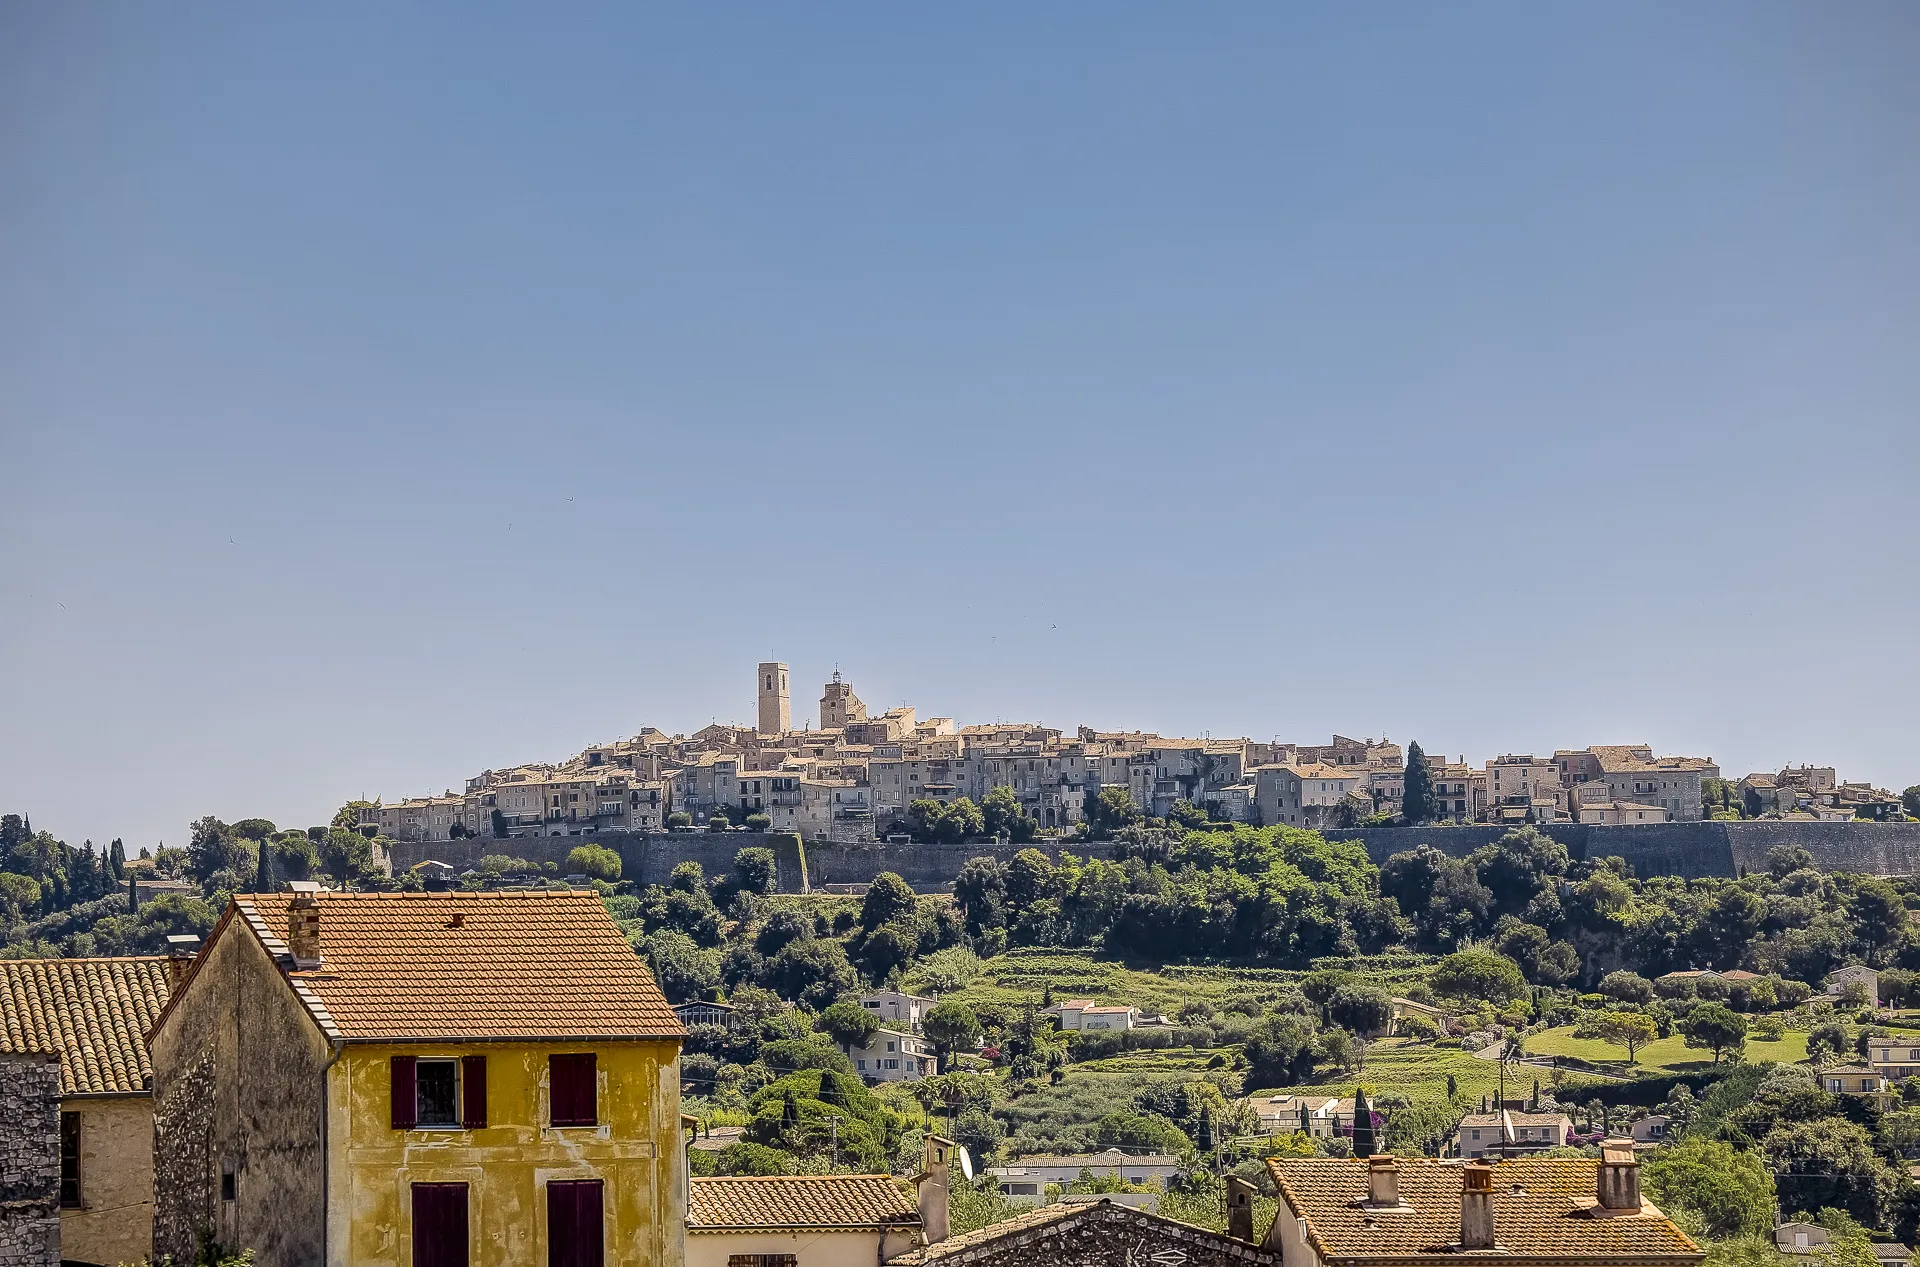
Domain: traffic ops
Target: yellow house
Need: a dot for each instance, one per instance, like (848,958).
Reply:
(95,1013)
(433,1079)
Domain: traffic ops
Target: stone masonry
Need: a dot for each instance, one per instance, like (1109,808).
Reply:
(29,1159)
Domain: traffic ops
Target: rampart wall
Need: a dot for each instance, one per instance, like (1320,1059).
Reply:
(1683,849)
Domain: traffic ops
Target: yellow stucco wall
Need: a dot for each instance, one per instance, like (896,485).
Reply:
(635,1150)
(114,1221)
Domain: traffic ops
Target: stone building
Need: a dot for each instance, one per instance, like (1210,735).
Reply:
(1100,1233)
(427,1078)
(839,706)
(1303,795)
(775,703)
(30,1143)
(94,1013)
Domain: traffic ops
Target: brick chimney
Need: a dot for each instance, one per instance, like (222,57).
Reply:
(181,948)
(1619,1179)
(1240,1209)
(937,1159)
(303,924)
(1383,1180)
(1476,1206)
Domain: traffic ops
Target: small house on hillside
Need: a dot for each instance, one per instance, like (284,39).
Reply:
(1026,1178)
(1838,980)
(1510,1132)
(1085,1014)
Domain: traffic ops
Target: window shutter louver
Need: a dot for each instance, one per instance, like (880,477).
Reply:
(571,1090)
(473,1091)
(404,1107)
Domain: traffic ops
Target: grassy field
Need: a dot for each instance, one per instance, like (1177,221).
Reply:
(1418,1072)
(1670,1055)
(1010,979)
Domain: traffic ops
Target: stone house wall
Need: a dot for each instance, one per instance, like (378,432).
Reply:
(114,1221)
(239,1089)
(29,1159)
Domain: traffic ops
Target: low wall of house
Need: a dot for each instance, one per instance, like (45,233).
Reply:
(29,1159)
(1717,848)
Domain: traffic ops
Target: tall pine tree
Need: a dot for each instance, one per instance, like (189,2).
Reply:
(117,860)
(1416,801)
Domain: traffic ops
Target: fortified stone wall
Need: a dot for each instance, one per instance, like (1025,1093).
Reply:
(1683,849)
(29,1159)
(650,857)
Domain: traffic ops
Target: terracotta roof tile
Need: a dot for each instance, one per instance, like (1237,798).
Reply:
(489,965)
(93,1012)
(766,1202)
(1542,1212)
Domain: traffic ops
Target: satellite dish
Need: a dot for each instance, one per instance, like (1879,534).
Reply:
(966,1163)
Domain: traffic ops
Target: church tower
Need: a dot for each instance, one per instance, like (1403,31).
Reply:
(776,710)
(839,705)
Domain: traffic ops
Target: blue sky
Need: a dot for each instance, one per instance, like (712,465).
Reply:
(389,392)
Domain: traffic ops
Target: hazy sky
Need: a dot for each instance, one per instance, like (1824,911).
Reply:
(390,392)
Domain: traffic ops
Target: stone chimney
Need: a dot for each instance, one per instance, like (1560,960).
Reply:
(1619,1181)
(181,948)
(935,1225)
(1383,1180)
(1476,1206)
(1240,1209)
(303,924)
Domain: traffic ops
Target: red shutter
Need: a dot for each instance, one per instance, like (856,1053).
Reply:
(439,1225)
(575,1224)
(571,1090)
(473,1092)
(405,1109)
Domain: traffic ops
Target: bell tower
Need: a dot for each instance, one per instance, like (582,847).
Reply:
(776,709)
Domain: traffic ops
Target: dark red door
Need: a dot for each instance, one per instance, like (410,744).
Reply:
(439,1225)
(575,1231)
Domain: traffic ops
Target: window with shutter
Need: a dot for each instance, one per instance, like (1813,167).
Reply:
(575,1223)
(571,1090)
(473,1092)
(439,1225)
(404,1108)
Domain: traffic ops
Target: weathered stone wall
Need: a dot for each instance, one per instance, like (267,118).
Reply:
(1109,1235)
(29,1159)
(649,857)
(1684,849)
(238,1085)
(114,1221)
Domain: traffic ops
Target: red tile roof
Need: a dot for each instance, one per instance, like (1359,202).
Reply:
(93,1012)
(540,964)
(780,1202)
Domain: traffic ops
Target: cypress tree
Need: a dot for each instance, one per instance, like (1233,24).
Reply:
(264,879)
(1416,800)
(1364,1144)
(133,893)
(1204,1137)
(117,860)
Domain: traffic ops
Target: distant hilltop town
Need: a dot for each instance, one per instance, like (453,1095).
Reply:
(858,777)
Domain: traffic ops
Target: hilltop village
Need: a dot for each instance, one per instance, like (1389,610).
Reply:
(1165,1010)
(856,776)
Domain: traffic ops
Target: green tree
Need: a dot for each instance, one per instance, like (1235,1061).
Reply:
(1911,800)
(1713,1027)
(1830,1162)
(1030,878)
(347,817)
(1631,1030)
(347,855)
(758,822)
(959,820)
(888,898)
(264,880)
(684,968)
(1628,987)
(1279,1051)
(848,1024)
(1360,1009)
(596,861)
(1479,974)
(1109,811)
(951,1027)
(755,870)
(1416,797)
(1729,1188)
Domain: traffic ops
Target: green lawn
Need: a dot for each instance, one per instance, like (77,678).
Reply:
(1666,1054)
(1418,1072)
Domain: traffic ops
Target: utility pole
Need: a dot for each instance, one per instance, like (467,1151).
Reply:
(833,1127)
